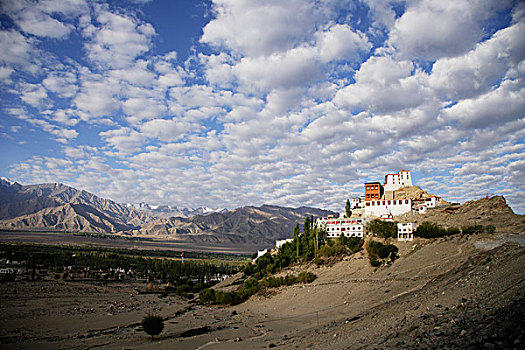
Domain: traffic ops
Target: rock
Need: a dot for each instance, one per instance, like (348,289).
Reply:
(489,346)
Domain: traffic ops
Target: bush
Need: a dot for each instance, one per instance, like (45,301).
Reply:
(453,231)
(430,230)
(152,325)
(473,229)
(383,229)
(249,269)
(375,262)
(490,228)
(378,251)
(306,277)
(355,244)
(207,296)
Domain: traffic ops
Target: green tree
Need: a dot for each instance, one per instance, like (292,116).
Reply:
(296,240)
(383,229)
(347,209)
(152,325)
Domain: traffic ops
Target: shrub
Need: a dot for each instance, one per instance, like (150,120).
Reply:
(452,231)
(430,230)
(355,244)
(473,229)
(152,325)
(375,262)
(249,269)
(383,229)
(377,250)
(207,296)
(306,277)
(490,228)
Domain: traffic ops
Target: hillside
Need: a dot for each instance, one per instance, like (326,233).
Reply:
(449,293)
(64,208)
(255,225)
(485,211)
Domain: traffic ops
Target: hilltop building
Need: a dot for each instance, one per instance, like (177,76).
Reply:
(335,227)
(396,181)
(393,207)
(373,191)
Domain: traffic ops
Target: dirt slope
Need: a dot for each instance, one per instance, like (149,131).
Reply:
(457,292)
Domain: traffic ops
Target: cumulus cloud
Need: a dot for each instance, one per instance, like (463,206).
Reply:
(115,40)
(261,28)
(290,103)
(432,29)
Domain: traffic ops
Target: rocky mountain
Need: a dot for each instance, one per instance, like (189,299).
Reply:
(255,225)
(62,208)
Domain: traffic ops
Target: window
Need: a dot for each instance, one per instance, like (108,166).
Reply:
(367,204)
(388,202)
(406,201)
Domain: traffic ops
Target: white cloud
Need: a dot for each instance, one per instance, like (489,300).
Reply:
(261,28)
(34,95)
(63,83)
(167,130)
(483,67)
(432,29)
(341,42)
(499,106)
(117,40)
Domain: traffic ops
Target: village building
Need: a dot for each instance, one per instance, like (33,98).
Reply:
(335,227)
(405,231)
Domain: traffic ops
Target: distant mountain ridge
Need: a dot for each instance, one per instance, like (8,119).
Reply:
(168,210)
(57,207)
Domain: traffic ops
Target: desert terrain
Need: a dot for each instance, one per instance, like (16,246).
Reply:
(453,292)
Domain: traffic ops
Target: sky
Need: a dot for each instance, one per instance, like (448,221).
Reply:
(226,103)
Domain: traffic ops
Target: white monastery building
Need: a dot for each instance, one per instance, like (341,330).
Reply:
(281,242)
(396,181)
(391,206)
(405,231)
(350,227)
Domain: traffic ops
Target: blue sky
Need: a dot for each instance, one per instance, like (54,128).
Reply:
(226,103)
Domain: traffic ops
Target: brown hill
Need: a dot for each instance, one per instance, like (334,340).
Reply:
(486,211)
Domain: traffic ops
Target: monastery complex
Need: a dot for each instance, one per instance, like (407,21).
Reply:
(395,196)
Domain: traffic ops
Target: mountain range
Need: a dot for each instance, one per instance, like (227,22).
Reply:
(57,207)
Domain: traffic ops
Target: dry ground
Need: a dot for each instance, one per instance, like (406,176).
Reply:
(456,292)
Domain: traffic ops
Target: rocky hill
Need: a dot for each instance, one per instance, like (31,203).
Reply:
(485,211)
(57,207)
(255,225)
(412,192)
(60,207)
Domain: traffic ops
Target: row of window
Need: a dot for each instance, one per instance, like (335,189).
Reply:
(392,202)
(371,187)
(372,195)
(347,234)
(358,221)
(352,228)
